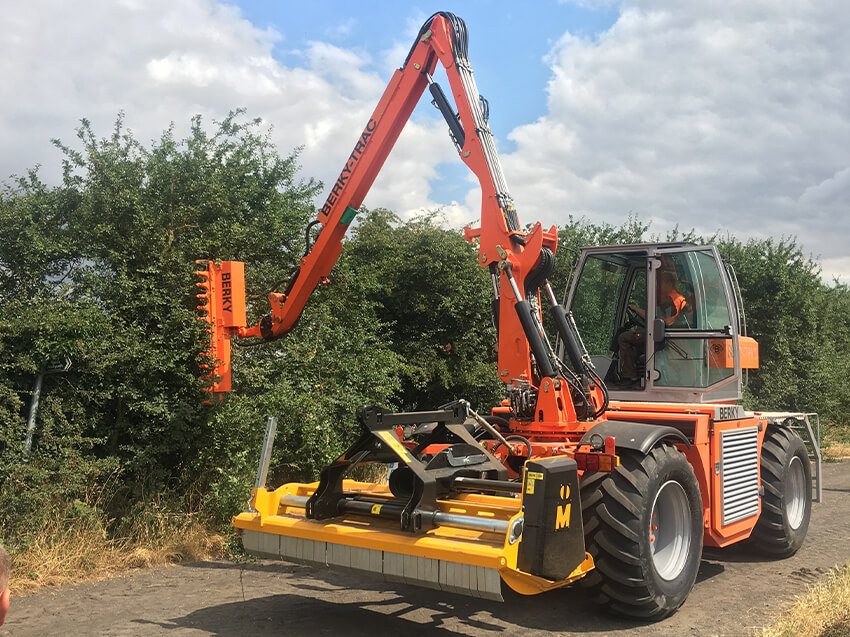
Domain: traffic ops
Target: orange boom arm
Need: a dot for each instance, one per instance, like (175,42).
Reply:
(510,253)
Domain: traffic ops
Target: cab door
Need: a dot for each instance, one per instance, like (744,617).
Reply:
(691,360)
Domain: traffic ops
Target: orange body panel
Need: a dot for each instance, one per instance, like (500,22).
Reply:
(723,535)
(721,353)
(697,420)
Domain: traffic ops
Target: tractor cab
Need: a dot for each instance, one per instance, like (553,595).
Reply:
(662,322)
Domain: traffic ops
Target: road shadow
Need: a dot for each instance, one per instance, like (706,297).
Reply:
(398,608)
(408,610)
(737,553)
(254,565)
(709,569)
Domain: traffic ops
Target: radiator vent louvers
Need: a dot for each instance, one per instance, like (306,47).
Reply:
(740,473)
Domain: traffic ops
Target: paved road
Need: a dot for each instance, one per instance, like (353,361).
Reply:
(735,593)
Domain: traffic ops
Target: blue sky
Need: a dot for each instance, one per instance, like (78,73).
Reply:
(508,40)
(508,44)
(721,117)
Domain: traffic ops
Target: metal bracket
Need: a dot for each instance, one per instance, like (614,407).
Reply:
(425,479)
(266,453)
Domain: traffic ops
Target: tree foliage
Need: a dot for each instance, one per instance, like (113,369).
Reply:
(802,325)
(435,303)
(99,268)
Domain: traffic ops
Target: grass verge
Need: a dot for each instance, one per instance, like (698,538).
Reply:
(824,611)
(833,451)
(82,545)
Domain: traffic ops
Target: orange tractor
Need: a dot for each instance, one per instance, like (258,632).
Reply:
(612,460)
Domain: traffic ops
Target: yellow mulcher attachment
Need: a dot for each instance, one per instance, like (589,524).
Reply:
(448,519)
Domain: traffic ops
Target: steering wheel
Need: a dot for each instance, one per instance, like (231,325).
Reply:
(633,318)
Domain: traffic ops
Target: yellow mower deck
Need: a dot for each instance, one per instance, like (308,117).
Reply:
(456,560)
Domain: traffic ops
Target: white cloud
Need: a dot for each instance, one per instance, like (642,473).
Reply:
(341,29)
(836,268)
(718,116)
(393,57)
(164,60)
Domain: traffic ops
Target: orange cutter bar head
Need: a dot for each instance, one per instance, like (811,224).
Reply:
(221,303)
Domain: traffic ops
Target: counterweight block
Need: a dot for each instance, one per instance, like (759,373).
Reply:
(552,538)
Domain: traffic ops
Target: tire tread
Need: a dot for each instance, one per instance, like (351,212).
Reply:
(771,535)
(612,507)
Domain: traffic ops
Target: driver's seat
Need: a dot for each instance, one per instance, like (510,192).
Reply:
(614,374)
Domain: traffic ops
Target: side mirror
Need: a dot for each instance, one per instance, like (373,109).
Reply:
(658,328)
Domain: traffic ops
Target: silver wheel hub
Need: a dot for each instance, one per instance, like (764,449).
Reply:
(670,532)
(795,493)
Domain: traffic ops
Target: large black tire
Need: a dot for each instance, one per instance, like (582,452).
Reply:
(786,506)
(645,566)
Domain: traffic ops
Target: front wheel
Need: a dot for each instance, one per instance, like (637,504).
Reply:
(786,506)
(643,527)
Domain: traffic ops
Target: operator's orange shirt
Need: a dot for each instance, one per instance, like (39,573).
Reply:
(673,308)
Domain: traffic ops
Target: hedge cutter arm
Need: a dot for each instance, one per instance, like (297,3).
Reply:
(509,252)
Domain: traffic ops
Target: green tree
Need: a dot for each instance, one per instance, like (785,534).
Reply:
(434,301)
(100,268)
(802,327)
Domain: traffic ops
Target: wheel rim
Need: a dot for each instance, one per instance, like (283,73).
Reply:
(795,493)
(670,530)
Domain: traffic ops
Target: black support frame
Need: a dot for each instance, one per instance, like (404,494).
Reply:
(432,477)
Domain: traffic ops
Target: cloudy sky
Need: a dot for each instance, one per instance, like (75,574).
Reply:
(719,116)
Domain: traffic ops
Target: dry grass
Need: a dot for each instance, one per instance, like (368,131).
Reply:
(822,612)
(833,450)
(78,549)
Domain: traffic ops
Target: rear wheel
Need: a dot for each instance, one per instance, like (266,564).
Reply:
(786,506)
(643,527)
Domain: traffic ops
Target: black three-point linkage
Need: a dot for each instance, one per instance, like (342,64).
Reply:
(420,479)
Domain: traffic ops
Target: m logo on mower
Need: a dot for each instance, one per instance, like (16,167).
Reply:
(562,512)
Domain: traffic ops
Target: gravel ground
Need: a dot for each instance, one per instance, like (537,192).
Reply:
(735,593)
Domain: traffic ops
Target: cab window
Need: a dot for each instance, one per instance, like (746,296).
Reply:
(687,362)
(699,281)
(596,299)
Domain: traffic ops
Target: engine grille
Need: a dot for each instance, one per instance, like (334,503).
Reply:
(740,473)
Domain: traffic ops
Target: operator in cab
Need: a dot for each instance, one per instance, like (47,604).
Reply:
(669,306)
